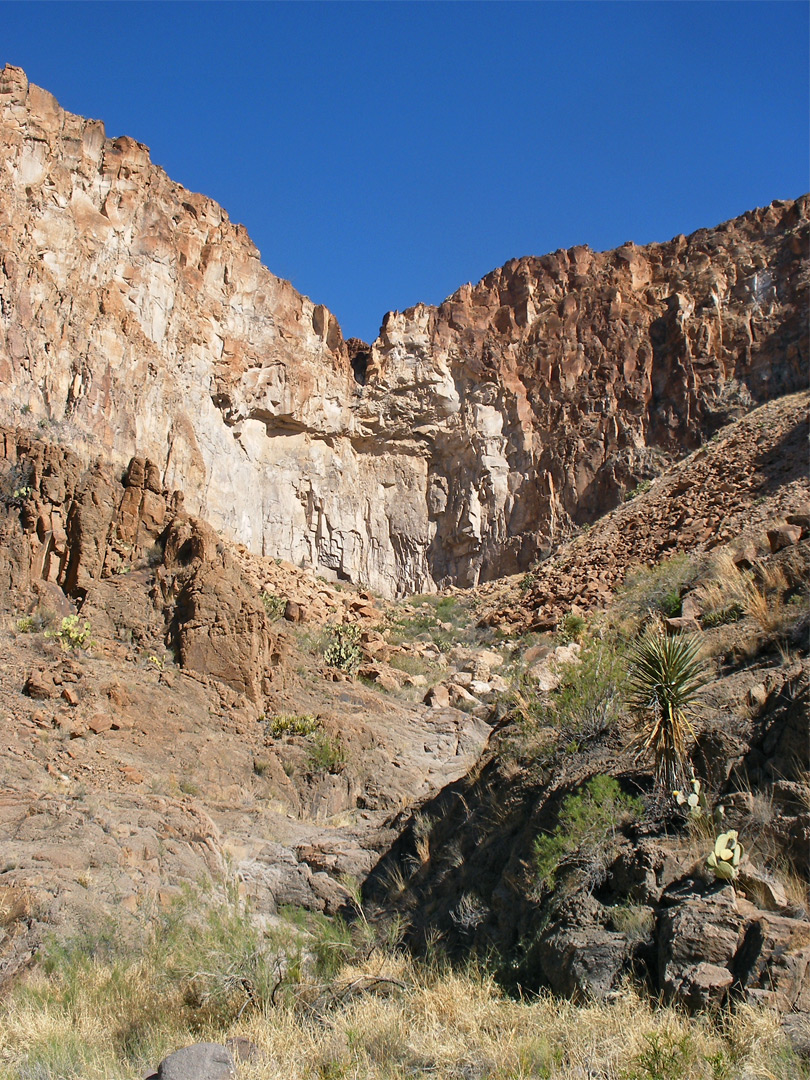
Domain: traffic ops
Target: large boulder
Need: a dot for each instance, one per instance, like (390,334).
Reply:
(202,1061)
(712,944)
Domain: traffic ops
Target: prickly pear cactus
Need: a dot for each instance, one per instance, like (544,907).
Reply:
(725,858)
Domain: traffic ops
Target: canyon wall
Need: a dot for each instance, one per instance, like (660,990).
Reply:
(137,320)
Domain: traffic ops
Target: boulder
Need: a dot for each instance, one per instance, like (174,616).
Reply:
(202,1061)
(784,536)
(584,963)
(698,936)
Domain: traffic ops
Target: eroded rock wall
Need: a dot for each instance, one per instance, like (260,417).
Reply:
(137,320)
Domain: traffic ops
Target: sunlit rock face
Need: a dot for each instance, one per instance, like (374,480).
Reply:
(136,319)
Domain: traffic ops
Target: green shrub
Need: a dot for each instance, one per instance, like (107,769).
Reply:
(411,664)
(639,489)
(571,628)
(591,694)
(657,589)
(274,605)
(665,677)
(528,581)
(327,754)
(584,837)
(72,634)
(290,724)
(343,651)
(442,620)
(666,1056)
(447,609)
(722,616)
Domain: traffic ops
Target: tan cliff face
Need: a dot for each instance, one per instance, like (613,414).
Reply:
(137,320)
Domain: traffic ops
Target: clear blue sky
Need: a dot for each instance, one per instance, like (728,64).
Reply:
(385,153)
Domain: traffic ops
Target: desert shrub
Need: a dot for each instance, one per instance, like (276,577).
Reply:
(327,753)
(666,674)
(635,921)
(571,628)
(274,605)
(665,1056)
(641,487)
(73,634)
(202,962)
(591,695)
(17,486)
(656,590)
(343,651)
(154,555)
(722,616)
(585,834)
(442,620)
(292,724)
(38,621)
(528,581)
(411,664)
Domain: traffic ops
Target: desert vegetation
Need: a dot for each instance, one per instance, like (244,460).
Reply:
(320,998)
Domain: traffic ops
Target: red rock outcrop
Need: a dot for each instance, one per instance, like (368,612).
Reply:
(137,320)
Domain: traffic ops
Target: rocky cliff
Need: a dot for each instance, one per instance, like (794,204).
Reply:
(137,320)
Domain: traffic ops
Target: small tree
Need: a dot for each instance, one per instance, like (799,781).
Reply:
(666,674)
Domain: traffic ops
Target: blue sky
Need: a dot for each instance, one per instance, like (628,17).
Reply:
(381,153)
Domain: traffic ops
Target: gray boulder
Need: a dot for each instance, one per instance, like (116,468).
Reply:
(202,1061)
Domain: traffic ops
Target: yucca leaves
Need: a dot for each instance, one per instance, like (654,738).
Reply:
(666,674)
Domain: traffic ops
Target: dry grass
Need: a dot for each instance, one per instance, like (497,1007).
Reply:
(411,1021)
(760,594)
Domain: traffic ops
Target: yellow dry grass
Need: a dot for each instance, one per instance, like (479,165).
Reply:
(425,1023)
(760,595)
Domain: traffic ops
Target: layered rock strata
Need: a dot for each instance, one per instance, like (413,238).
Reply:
(137,320)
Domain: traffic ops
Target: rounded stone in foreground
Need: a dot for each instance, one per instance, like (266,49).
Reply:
(202,1061)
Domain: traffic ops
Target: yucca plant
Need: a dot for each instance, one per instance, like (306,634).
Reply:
(666,674)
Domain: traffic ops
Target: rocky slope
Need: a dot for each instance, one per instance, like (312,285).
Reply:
(748,484)
(162,748)
(137,320)
(167,751)
(633,895)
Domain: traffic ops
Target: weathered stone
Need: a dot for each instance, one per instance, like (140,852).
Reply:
(797,1028)
(757,696)
(764,890)
(220,626)
(244,1049)
(784,536)
(773,963)
(202,1061)
(40,686)
(698,938)
(586,963)
(438,697)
